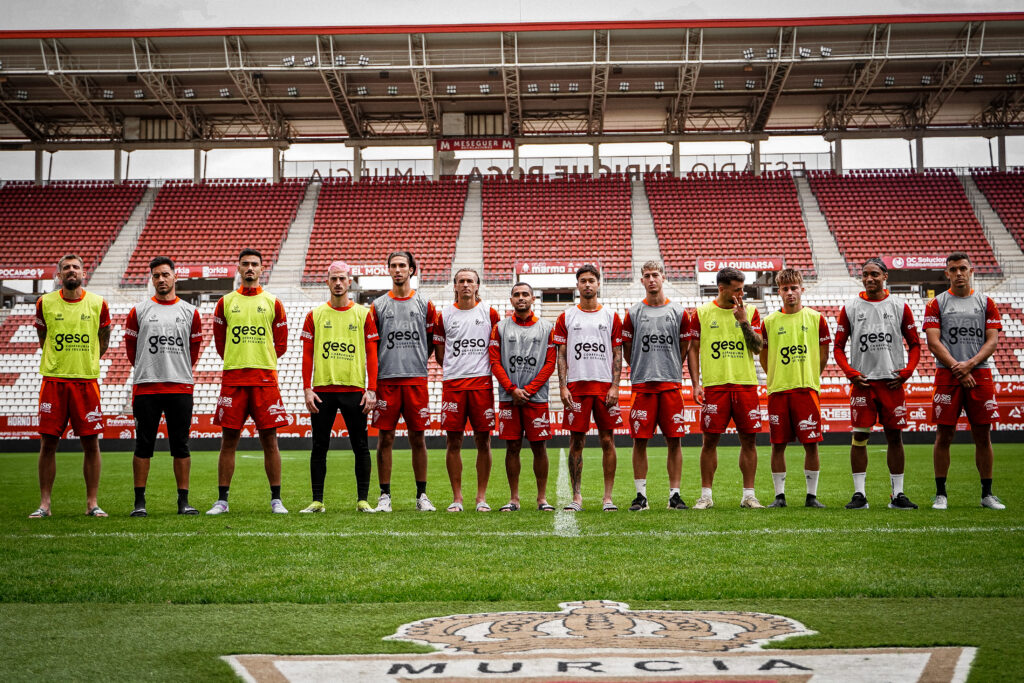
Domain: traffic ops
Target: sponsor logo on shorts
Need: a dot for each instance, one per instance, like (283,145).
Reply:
(424,413)
(710,409)
(543,433)
(991,405)
(541,423)
(571,416)
(575,407)
(614,411)
(707,421)
(812,435)
(224,401)
(45,407)
(899,411)
(277,409)
(489,414)
(938,410)
(773,419)
(754,415)
(638,414)
(809,423)
(505,414)
(449,407)
(636,425)
(942,399)
(859,401)
(94,415)
(679,418)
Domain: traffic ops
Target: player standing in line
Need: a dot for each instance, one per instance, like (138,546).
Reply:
(794,355)
(725,335)
(877,324)
(405,323)
(589,341)
(522,360)
(73,327)
(172,337)
(461,339)
(962,328)
(251,333)
(656,335)
(339,373)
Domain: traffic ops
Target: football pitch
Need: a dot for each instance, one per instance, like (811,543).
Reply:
(164,598)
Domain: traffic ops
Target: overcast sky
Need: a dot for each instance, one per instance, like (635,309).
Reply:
(60,14)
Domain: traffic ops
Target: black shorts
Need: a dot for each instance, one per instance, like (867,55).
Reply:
(147,409)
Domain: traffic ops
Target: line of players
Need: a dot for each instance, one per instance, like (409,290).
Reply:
(372,362)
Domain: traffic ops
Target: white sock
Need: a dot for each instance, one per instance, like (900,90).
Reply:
(897,484)
(672,492)
(705,492)
(748,492)
(812,481)
(641,486)
(858,482)
(779,479)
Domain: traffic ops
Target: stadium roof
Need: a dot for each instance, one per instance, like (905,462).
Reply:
(643,80)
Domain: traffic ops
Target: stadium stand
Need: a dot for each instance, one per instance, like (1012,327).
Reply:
(210,222)
(362,222)
(1005,192)
(879,213)
(727,215)
(537,218)
(39,224)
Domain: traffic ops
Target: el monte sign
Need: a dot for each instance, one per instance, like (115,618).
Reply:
(601,640)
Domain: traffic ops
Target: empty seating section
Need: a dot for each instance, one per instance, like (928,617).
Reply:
(363,222)
(537,218)
(1005,192)
(881,213)
(41,223)
(727,215)
(210,222)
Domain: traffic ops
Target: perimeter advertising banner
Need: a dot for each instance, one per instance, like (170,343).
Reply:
(475,144)
(713,265)
(27,272)
(906,262)
(205,270)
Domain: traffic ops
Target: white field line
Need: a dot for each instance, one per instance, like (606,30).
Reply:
(531,534)
(565,522)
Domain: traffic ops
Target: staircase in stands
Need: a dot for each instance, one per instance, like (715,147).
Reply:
(1011,259)
(469,249)
(106,278)
(829,264)
(286,278)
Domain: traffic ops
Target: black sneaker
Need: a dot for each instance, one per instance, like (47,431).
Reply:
(139,512)
(187,509)
(813,502)
(901,502)
(639,503)
(676,503)
(779,502)
(858,502)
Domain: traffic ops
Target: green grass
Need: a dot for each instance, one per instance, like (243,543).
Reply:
(78,594)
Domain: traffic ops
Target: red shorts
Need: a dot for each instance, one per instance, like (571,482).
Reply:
(737,403)
(410,401)
(530,419)
(77,401)
(950,399)
(663,410)
(461,405)
(878,403)
(576,415)
(794,415)
(263,403)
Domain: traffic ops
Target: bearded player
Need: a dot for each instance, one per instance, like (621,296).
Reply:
(461,339)
(589,341)
(794,355)
(171,334)
(522,360)
(725,334)
(73,327)
(405,324)
(251,333)
(877,324)
(339,374)
(655,336)
(962,327)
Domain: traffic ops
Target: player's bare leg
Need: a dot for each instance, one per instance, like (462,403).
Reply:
(779,475)
(894,456)
(575,462)
(418,444)
(640,475)
(182,466)
(271,456)
(453,462)
(140,470)
(385,442)
(708,459)
(748,460)
(513,466)
(540,470)
(226,460)
(47,468)
(483,464)
(940,451)
(608,461)
(674,461)
(91,465)
(983,457)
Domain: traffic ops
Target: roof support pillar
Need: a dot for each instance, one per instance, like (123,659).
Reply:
(117,165)
(837,157)
(919,154)
(1001,152)
(437,163)
(516,171)
(596,159)
(357,164)
(197,165)
(277,163)
(676,171)
(39,167)
(755,157)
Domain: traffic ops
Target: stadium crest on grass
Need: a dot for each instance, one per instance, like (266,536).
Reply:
(598,639)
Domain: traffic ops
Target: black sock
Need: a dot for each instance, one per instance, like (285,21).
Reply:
(421,488)
(222,493)
(385,489)
(182,497)
(140,496)
(275,493)
(986,487)
(940,486)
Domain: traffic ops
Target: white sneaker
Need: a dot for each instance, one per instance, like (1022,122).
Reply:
(703,503)
(992,503)
(384,503)
(940,503)
(423,504)
(277,507)
(750,502)
(219,508)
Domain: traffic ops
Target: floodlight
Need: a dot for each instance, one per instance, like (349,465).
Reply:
(659,85)
(485,88)
(825,51)
(288,61)
(805,52)
(1011,78)
(139,94)
(979,79)
(623,86)
(926,80)
(554,87)
(392,89)
(818,82)
(293,91)
(772,53)
(308,60)
(21,94)
(108,94)
(748,53)
(890,81)
(364,60)
(719,85)
(224,92)
(574,86)
(361,90)
(751,85)
(532,87)
(452,89)
(339,60)
(189,93)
